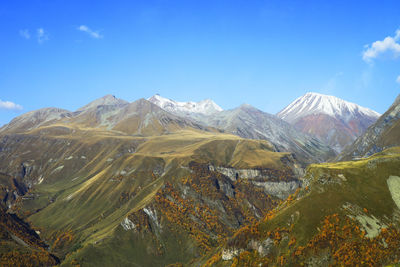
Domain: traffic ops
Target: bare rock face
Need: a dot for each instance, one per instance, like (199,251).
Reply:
(383,134)
(332,120)
(263,178)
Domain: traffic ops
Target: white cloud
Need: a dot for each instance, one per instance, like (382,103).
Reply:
(25,34)
(388,47)
(9,105)
(398,79)
(94,34)
(41,35)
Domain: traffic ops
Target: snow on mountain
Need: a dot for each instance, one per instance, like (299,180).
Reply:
(249,122)
(333,120)
(315,103)
(205,107)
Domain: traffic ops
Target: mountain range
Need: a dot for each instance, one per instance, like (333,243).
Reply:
(158,182)
(248,122)
(116,183)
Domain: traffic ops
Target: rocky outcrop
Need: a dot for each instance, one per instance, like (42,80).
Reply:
(234,174)
(279,189)
(264,178)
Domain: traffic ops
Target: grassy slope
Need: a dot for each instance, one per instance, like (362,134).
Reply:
(364,187)
(79,206)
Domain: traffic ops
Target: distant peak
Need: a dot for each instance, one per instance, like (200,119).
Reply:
(205,107)
(317,103)
(109,96)
(315,94)
(158,97)
(105,100)
(245,105)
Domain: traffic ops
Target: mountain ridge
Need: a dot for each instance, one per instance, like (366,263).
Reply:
(205,107)
(384,133)
(249,122)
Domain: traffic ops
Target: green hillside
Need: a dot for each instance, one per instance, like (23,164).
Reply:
(346,214)
(101,197)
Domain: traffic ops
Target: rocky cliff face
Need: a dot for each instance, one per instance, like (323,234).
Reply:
(267,179)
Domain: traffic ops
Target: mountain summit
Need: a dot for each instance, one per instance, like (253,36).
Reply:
(333,120)
(315,103)
(205,107)
(107,100)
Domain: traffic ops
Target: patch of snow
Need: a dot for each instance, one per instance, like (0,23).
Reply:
(69,158)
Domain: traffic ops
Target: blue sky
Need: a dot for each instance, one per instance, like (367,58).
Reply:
(264,53)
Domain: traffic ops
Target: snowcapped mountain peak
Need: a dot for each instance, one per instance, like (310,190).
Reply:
(315,103)
(205,107)
(333,120)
